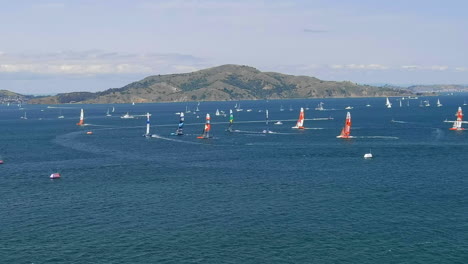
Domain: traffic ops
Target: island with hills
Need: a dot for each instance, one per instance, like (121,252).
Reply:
(223,83)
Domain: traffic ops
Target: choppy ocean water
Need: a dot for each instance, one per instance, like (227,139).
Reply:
(244,197)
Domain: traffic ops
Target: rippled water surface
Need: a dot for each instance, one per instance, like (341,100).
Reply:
(244,197)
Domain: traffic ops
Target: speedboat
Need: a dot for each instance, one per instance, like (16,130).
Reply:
(55,175)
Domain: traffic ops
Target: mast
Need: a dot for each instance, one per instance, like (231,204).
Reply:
(300,121)
(231,120)
(179,131)
(346,131)
(81,123)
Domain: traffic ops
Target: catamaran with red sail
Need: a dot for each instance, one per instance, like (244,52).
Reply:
(300,121)
(81,123)
(346,131)
(458,123)
(206,130)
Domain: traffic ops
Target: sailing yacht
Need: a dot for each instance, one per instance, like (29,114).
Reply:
(81,122)
(113,109)
(180,128)
(107,113)
(147,134)
(281,108)
(458,123)
(217,112)
(346,131)
(388,104)
(206,130)
(438,103)
(231,121)
(300,121)
(320,107)
(187,110)
(267,128)
(60,115)
(24,116)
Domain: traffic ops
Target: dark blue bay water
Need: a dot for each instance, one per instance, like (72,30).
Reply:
(291,197)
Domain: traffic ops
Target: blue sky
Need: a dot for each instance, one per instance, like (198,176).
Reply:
(60,46)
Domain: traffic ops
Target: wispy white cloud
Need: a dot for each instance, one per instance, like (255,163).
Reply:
(359,66)
(96,62)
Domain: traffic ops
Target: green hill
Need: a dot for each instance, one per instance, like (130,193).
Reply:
(222,83)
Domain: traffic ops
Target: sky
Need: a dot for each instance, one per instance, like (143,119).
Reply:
(51,46)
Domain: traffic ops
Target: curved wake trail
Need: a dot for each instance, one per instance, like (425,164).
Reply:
(175,140)
(380,137)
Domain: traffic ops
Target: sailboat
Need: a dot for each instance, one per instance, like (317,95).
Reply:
(179,131)
(346,131)
(267,128)
(187,110)
(239,109)
(147,134)
(24,116)
(206,130)
(231,121)
(438,103)
(81,123)
(388,104)
(400,102)
(60,115)
(197,110)
(300,121)
(107,113)
(281,108)
(458,123)
(319,107)
(217,112)
(127,116)
(133,103)
(113,109)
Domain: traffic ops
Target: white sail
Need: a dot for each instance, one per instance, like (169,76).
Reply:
(388,104)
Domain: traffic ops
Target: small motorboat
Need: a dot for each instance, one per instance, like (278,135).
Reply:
(368,155)
(89,132)
(278,123)
(348,107)
(55,175)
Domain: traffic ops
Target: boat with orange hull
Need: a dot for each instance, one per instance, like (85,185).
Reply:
(206,130)
(346,131)
(300,121)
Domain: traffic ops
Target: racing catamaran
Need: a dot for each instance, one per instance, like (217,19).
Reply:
(180,128)
(206,130)
(458,123)
(231,121)
(345,132)
(300,121)
(81,123)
